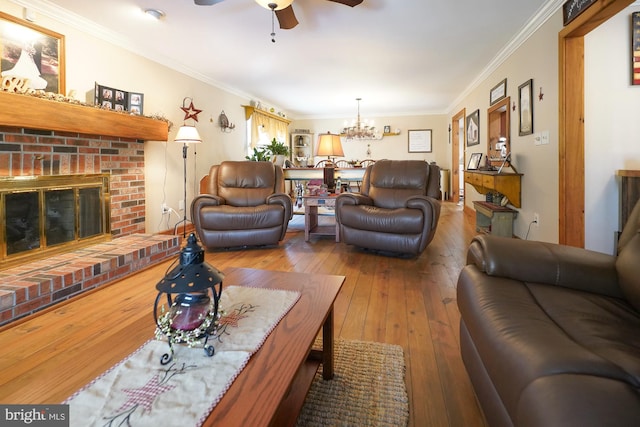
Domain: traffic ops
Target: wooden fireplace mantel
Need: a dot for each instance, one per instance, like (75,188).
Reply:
(37,113)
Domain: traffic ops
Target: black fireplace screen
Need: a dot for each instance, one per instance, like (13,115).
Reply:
(49,217)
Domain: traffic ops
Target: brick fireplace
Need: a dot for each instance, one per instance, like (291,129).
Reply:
(29,152)
(41,137)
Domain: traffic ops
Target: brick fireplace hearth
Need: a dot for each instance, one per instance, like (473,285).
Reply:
(42,137)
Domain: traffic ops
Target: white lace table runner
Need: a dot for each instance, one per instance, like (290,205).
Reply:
(139,391)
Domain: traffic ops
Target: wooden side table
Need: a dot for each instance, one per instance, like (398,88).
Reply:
(311,227)
(494,219)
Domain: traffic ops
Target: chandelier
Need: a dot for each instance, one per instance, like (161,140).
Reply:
(360,130)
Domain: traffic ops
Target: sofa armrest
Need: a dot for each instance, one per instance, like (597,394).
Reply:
(204,200)
(353,199)
(207,200)
(547,263)
(285,201)
(429,206)
(350,199)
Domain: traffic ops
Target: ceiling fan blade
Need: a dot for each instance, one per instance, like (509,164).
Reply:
(287,18)
(348,2)
(206,2)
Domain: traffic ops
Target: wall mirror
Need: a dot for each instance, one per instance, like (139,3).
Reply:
(499,132)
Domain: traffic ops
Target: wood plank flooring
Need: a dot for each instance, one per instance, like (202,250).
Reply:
(408,302)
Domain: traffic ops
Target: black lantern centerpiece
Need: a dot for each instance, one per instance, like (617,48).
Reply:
(192,316)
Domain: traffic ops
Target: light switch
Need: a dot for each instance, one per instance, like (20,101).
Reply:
(544,137)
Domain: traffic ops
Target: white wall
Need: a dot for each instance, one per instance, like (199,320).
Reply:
(536,59)
(612,127)
(610,111)
(389,147)
(90,60)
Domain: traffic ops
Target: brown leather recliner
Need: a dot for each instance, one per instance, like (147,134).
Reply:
(243,204)
(550,334)
(397,209)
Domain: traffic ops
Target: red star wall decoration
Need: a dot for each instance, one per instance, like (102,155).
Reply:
(190,112)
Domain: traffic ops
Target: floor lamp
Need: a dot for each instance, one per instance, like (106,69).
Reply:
(186,135)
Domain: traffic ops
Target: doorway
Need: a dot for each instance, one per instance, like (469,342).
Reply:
(457,156)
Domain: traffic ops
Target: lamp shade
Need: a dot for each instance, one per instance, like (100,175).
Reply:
(188,135)
(329,145)
(280,4)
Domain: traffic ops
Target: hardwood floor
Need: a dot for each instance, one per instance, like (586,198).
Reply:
(409,302)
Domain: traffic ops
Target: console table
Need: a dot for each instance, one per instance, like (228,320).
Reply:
(504,183)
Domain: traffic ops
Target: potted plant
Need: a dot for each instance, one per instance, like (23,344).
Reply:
(278,150)
(259,155)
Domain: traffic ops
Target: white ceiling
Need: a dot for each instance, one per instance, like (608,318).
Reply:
(400,56)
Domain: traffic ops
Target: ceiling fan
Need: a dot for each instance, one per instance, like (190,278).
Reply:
(282,9)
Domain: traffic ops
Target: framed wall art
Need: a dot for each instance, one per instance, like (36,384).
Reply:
(420,141)
(473,128)
(635,43)
(498,92)
(31,52)
(572,8)
(525,105)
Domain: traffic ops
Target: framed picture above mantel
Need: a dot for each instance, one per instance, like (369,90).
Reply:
(29,51)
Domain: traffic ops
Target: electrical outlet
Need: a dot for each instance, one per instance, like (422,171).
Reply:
(536,219)
(165,208)
(181,205)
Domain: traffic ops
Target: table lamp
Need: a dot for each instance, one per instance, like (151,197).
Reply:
(329,145)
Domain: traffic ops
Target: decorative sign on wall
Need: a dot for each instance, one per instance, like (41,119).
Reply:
(420,141)
(635,61)
(118,100)
(572,8)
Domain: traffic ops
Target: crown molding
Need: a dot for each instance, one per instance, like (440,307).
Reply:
(543,14)
(80,23)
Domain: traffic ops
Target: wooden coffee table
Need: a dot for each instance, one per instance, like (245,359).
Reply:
(49,356)
(271,389)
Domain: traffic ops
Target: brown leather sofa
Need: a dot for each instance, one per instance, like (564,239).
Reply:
(397,209)
(550,334)
(243,204)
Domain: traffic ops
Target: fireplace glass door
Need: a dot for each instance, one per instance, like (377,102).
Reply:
(22,224)
(60,213)
(56,213)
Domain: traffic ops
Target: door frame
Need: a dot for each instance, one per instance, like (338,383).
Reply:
(571,189)
(454,189)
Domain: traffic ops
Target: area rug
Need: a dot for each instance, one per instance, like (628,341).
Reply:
(368,388)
